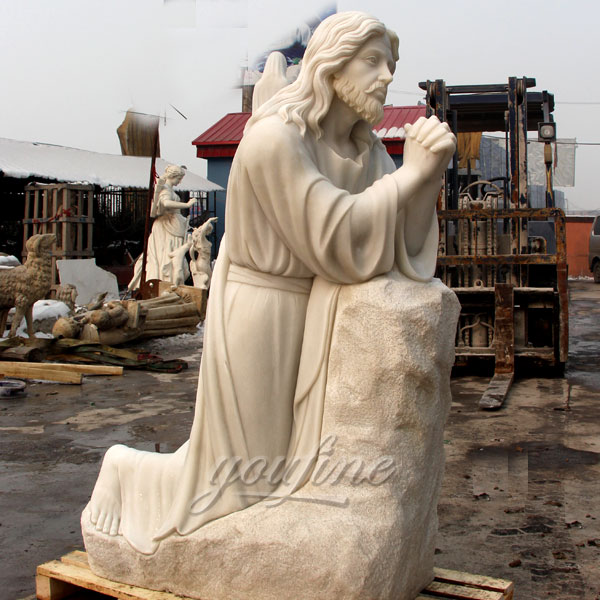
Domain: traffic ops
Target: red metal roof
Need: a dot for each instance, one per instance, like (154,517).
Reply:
(223,137)
(396,117)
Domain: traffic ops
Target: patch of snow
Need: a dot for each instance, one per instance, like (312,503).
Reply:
(45,314)
(183,341)
(9,261)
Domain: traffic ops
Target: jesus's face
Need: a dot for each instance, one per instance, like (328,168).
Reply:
(362,82)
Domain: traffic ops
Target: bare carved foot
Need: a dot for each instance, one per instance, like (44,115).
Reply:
(105,504)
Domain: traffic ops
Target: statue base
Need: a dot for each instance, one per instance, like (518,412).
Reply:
(56,580)
(349,532)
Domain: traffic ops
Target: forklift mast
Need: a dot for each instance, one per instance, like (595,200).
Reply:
(505,260)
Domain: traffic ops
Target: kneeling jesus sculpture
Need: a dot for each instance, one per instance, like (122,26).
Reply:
(315,205)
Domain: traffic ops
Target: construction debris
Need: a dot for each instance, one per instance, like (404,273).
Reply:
(178,310)
(76,352)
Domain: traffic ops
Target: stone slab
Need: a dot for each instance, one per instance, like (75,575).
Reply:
(89,279)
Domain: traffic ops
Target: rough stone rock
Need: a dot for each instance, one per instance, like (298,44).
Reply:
(387,400)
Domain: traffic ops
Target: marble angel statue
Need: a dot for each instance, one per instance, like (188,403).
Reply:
(169,231)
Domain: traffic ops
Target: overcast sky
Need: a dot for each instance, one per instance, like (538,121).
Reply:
(71,68)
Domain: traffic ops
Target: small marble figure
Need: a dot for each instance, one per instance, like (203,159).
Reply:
(200,253)
(168,232)
(273,79)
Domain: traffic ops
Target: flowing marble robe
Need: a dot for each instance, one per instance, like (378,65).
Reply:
(168,234)
(300,221)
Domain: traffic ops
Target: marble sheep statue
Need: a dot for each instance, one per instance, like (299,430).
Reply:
(22,286)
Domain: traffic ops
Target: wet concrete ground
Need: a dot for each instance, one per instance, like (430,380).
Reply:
(519,500)
(520,495)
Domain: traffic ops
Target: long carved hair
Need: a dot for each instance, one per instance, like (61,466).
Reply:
(335,41)
(170,171)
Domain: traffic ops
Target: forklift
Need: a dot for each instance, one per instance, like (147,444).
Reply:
(505,260)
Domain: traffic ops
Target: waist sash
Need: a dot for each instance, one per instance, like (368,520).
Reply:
(297,285)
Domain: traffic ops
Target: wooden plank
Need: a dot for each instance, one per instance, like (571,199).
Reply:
(79,225)
(89,369)
(66,238)
(77,558)
(82,577)
(21,354)
(69,367)
(461,592)
(497,391)
(27,214)
(19,370)
(47,588)
(481,581)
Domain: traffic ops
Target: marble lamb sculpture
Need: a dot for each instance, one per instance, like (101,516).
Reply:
(315,457)
(24,285)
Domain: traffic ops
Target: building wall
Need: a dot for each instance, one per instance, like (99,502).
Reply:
(217,171)
(578,239)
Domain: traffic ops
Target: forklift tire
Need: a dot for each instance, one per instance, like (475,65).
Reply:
(596,271)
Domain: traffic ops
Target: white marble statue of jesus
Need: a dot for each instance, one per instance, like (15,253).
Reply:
(314,202)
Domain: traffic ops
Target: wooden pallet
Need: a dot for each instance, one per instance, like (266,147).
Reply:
(71,577)
(465,586)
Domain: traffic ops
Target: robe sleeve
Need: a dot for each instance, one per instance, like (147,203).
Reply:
(342,237)
(421,266)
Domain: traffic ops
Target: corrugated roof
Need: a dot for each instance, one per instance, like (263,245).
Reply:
(394,120)
(228,130)
(224,136)
(31,159)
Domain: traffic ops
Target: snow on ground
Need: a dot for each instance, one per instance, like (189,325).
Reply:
(45,313)
(187,346)
(8,261)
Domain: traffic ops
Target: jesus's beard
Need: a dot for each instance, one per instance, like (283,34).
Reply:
(367,107)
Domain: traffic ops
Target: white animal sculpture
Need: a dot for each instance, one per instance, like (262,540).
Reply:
(200,253)
(179,264)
